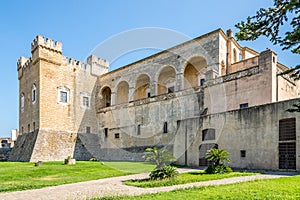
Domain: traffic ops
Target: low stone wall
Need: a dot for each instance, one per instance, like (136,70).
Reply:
(4,153)
(24,146)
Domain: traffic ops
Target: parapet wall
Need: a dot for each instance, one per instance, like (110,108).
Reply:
(46,42)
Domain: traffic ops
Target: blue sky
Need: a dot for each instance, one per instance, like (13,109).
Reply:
(82,25)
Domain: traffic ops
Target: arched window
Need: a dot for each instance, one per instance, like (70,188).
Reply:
(166,80)
(122,92)
(194,72)
(106,97)
(33,93)
(142,85)
(22,102)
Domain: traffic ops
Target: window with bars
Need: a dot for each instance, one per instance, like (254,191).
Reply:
(202,152)
(85,100)
(244,105)
(208,134)
(63,97)
(287,129)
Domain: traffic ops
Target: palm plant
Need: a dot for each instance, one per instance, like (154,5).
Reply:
(161,158)
(217,156)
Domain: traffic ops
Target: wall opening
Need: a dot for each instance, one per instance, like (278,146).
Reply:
(208,134)
(106,97)
(202,152)
(166,80)
(165,129)
(122,92)
(194,72)
(287,143)
(142,87)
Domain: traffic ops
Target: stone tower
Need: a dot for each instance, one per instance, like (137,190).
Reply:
(57,102)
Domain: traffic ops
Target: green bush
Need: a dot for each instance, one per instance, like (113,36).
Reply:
(217,169)
(163,173)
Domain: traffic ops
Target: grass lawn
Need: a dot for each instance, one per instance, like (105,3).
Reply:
(23,175)
(282,188)
(189,177)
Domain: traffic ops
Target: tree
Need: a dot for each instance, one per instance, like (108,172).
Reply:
(161,158)
(267,22)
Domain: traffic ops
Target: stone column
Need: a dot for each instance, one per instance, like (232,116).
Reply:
(179,82)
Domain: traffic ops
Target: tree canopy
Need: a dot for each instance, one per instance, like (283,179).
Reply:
(268,22)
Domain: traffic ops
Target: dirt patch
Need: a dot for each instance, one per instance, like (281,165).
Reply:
(48,178)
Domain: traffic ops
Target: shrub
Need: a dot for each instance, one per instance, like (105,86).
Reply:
(219,158)
(217,169)
(163,173)
(161,157)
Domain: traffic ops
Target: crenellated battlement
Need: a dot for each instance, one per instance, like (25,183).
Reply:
(95,65)
(46,42)
(92,59)
(23,62)
(72,61)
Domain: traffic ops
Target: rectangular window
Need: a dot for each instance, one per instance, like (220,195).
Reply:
(33,126)
(22,129)
(287,129)
(22,102)
(165,127)
(86,102)
(28,128)
(33,95)
(208,134)
(139,129)
(171,89)
(243,105)
(178,124)
(202,81)
(106,132)
(117,135)
(88,129)
(63,97)
(243,153)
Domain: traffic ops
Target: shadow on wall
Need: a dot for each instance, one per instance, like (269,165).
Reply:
(24,147)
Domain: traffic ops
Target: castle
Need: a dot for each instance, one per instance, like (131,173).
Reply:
(206,92)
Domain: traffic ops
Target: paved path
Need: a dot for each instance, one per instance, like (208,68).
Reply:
(114,186)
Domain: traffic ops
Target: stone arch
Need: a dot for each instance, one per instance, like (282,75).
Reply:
(142,87)
(105,97)
(194,72)
(166,80)
(122,92)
